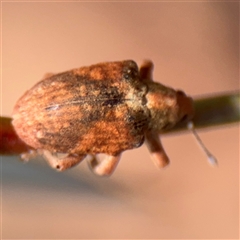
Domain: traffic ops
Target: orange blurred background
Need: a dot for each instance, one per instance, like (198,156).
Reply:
(195,47)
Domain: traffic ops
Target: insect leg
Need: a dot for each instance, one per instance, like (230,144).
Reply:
(47,75)
(156,149)
(146,70)
(64,163)
(105,167)
(29,155)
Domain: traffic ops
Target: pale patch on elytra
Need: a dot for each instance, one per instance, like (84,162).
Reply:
(40,134)
(96,74)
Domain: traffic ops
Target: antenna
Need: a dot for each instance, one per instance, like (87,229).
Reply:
(212,160)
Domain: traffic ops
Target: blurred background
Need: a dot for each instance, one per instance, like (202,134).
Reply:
(195,47)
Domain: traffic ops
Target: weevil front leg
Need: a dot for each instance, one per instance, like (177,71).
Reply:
(146,70)
(105,167)
(156,149)
(64,163)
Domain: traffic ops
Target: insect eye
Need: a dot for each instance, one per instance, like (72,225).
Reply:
(130,70)
(130,73)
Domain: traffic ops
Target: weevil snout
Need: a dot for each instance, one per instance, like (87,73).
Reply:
(167,106)
(186,109)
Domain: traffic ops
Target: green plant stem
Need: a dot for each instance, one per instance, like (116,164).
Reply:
(213,111)
(209,111)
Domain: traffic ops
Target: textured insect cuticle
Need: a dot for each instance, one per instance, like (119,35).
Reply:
(103,108)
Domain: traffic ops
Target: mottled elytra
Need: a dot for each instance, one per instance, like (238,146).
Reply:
(103,108)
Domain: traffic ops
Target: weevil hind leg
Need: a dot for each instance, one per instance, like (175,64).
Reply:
(146,70)
(104,167)
(25,157)
(156,150)
(64,163)
(47,75)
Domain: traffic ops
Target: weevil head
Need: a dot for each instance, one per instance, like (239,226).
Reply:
(167,107)
(185,106)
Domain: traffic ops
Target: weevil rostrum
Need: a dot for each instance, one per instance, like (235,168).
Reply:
(103,108)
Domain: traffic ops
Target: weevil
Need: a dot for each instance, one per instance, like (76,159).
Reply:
(103,108)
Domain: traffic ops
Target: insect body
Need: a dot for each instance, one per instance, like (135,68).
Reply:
(104,108)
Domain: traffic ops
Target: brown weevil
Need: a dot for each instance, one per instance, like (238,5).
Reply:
(104,108)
